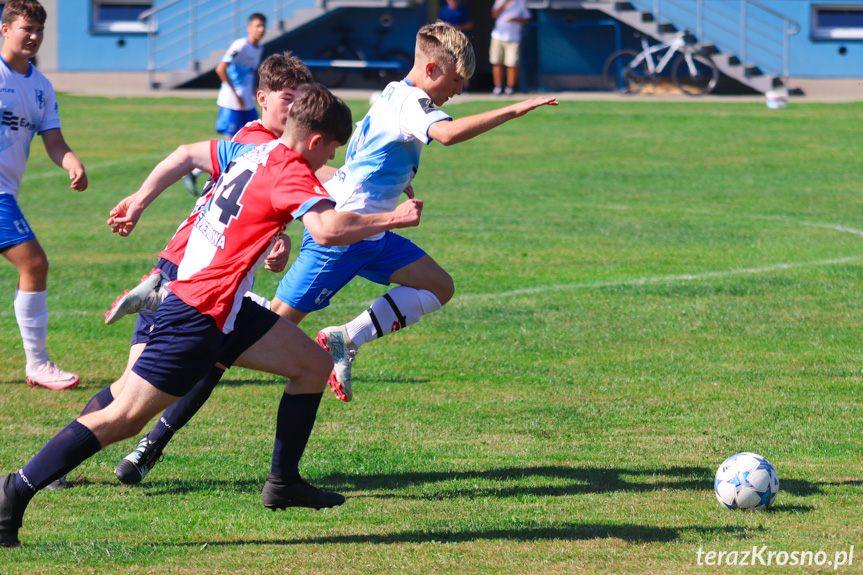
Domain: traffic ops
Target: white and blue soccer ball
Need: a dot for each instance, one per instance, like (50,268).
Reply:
(746,481)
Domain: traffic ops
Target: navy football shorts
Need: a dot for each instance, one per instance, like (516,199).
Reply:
(185,344)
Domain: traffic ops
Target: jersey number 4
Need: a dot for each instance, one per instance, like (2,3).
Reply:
(228,198)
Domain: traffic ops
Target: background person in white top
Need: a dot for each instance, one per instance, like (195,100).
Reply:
(236,99)
(28,106)
(510,16)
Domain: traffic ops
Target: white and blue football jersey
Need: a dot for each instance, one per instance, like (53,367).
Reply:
(383,154)
(243,60)
(28,106)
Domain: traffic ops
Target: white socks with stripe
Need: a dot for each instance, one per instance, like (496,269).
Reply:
(31,311)
(398,308)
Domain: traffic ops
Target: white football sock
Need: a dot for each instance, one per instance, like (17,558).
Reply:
(31,311)
(398,308)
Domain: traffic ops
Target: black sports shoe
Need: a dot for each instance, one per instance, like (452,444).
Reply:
(134,467)
(11,512)
(281,492)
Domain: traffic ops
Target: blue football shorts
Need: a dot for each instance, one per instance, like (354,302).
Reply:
(229,122)
(321,272)
(185,344)
(144,322)
(14,228)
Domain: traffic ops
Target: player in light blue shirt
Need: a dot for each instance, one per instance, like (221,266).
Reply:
(382,159)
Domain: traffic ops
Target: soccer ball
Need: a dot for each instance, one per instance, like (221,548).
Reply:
(746,481)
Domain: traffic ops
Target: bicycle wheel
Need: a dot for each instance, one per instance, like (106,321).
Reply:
(698,80)
(388,75)
(330,76)
(622,76)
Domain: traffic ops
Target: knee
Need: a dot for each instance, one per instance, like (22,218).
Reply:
(34,269)
(445,289)
(314,373)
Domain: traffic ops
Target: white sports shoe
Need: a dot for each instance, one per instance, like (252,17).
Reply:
(190,182)
(147,295)
(336,341)
(49,375)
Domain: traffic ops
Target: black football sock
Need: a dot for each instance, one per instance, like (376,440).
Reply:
(72,445)
(294,424)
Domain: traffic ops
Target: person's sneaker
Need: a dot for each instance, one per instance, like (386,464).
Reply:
(58,484)
(147,295)
(190,181)
(281,492)
(508,91)
(336,341)
(48,375)
(135,466)
(11,512)
(497,91)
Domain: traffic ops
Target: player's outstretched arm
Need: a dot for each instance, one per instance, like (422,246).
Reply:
(62,155)
(331,228)
(462,129)
(124,216)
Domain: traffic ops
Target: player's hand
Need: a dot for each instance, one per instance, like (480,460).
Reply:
(407,214)
(409,192)
(78,177)
(278,257)
(125,215)
(523,108)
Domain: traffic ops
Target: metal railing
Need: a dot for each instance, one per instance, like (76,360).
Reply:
(757,34)
(184,33)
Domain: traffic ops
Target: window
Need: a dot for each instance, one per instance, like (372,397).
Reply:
(119,15)
(837,22)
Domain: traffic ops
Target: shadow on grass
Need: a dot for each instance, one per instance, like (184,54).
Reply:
(380,380)
(575,481)
(541,481)
(631,533)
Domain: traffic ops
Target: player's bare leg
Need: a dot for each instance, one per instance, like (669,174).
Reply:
(31,312)
(285,350)
(424,287)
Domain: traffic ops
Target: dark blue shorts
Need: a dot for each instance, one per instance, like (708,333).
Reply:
(14,228)
(144,323)
(184,343)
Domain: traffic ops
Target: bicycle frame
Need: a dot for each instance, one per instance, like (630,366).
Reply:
(647,52)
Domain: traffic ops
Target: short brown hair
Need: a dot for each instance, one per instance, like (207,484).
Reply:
(317,111)
(445,46)
(25,9)
(282,71)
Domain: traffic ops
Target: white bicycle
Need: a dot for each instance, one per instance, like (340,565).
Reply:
(627,71)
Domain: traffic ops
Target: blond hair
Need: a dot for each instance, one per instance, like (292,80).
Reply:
(445,46)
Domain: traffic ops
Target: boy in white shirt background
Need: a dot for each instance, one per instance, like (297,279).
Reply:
(28,106)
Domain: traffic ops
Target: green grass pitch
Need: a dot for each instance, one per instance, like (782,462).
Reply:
(643,289)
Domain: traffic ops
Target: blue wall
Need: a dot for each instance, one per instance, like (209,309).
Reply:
(80,49)
(561,41)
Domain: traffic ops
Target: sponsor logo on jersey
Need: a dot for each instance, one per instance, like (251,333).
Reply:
(427,105)
(212,235)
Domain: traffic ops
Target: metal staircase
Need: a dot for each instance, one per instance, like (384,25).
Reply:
(187,38)
(748,41)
